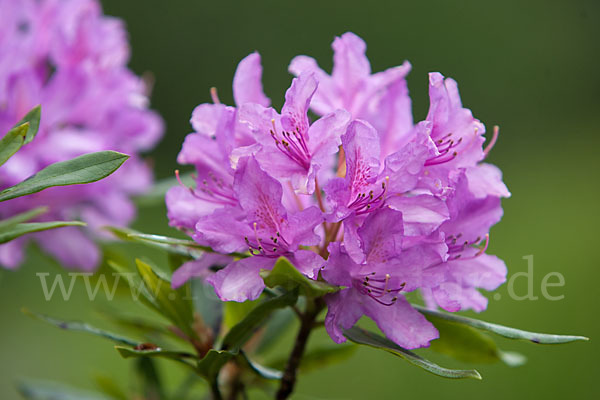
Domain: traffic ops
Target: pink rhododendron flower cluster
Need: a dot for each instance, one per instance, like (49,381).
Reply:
(361,197)
(71,59)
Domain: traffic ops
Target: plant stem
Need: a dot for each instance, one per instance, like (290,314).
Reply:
(214,388)
(306,325)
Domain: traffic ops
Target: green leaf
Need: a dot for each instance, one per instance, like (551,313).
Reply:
(32,118)
(284,274)
(150,382)
(364,337)
(505,331)
(181,247)
(463,342)
(30,227)
(141,326)
(235,312)
(22,217)
(177,260)
(35,390)
(207,304)
(212,363)
(12,142)
(127,352)
(83,169)
(179,356)
(135,283)
(320,357)
(81,327)
(173,304)
(260,370)
(275,328)
(467,344)
(240,333)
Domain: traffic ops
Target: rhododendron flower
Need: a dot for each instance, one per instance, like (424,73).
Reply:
(374,287)
(217,133)
(68,57)
(380,99)
(360,198)
(261,224)
(290,147)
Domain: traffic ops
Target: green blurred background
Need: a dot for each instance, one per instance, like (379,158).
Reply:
(528,66)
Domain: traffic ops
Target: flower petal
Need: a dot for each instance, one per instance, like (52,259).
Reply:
(339,266)
(71,247)
(297,100)
(12,254)
(308,262)
(401,323)
(199,268)
(301,227)
(421,214)
(486,180)
(350,64)
(259,195)
(325,100)
(224,230)
(240,280)
(381,235)
(184,210)
(247,82)
(343,311)
(361,149)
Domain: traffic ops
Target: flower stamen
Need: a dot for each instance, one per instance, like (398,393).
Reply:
(293,145)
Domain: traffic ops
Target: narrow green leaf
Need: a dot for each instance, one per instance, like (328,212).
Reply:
(188,245)
(173,304)
(505,331)
(183,247)
(235,312)
(22,217)
(467,344)
(183,358)
(12,142)
(177,260)
(364,337)
(212,363)
(319,357)
(127,352)
(207,304)
(284,274)
(32,118)
(275,328)
(136,284)
(81,327)
(30,227)
(83,169)
(260,370)
(150,382)
(175,246)
(36,390)
(240,333)
(463,342)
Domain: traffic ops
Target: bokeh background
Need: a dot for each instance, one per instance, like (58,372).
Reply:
(529,66)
